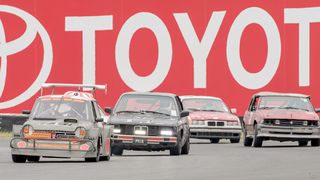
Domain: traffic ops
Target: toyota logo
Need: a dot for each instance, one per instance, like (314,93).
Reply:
(33,27)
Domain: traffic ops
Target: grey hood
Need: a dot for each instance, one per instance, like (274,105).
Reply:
(143,119)
(58,125)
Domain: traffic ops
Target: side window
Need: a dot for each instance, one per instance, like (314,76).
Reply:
(95,110)
(179,103)
(254,103)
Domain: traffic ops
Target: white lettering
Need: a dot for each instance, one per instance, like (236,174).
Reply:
(241,75)
(155,24)
(199,48)
(88,25)
(303,17)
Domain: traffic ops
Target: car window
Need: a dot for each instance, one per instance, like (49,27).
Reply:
(285,102)
(205,104)
(147,103)
(61,108)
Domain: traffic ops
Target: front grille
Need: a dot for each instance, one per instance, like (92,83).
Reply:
(290,122)
(220,123)
(126,129)
(216,123)
(152,130)
(215,134)
(212,123)
(53,134)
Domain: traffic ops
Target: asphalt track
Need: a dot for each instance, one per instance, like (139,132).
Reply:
(205,162)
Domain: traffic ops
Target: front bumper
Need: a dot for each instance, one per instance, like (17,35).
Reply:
(288,133)
(134,142)
(207,132)
(53,147)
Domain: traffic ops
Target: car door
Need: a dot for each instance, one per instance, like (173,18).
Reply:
(249,115)
(183,121)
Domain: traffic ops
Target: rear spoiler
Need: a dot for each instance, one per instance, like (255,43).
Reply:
(78,86)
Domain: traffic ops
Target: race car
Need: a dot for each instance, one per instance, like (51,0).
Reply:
(212,119)
(149,121)
(281,117)
(71,125)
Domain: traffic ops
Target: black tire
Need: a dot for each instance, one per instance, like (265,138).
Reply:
(315,142)
(176,151)
(186,146)
(19,158)
(303,143)
(214,140)
(257,141)
(118,151)
(105,158)
(247,140)
(97,158)
(234,140)
(33,158)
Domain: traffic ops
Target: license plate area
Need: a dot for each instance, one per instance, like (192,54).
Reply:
(139,141)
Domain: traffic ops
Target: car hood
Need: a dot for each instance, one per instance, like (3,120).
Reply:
(58,125)
(143,119)
(205,115)
(288,114)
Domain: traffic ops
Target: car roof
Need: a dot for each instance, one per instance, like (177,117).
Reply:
(150,93)
(280,94)
(86,96)
(199,97)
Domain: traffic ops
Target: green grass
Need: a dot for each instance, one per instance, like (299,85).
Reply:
(5,135)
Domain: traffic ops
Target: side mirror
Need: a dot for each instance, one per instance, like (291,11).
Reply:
(317,110)
(26,112)
(108,110)
(233,110)
(99,120)
(184,114)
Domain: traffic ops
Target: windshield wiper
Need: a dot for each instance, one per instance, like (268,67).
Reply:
(127,112)
(266,107)
(290,107)
(43,118)
(193,109)
(156,112)
(212,110)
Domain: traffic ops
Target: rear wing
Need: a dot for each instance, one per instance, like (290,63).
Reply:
(84,87)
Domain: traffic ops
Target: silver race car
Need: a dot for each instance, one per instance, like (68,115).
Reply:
(71,125)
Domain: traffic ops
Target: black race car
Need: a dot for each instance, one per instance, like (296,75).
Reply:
(151,122)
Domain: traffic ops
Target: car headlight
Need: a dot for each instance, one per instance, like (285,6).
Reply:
(116,130)
(166,132)
(80,132)
(233,123)
(27,131)
(198,122)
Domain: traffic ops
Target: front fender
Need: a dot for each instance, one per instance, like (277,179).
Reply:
(16,130)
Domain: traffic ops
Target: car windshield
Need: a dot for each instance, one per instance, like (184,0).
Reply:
(285,102)
(55,108)
(138,103)
(202,104)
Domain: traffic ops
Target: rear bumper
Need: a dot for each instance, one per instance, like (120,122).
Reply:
(289,133)
(53,148)
(215,132)
(132,142)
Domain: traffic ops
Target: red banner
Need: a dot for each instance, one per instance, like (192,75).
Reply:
(228,49)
